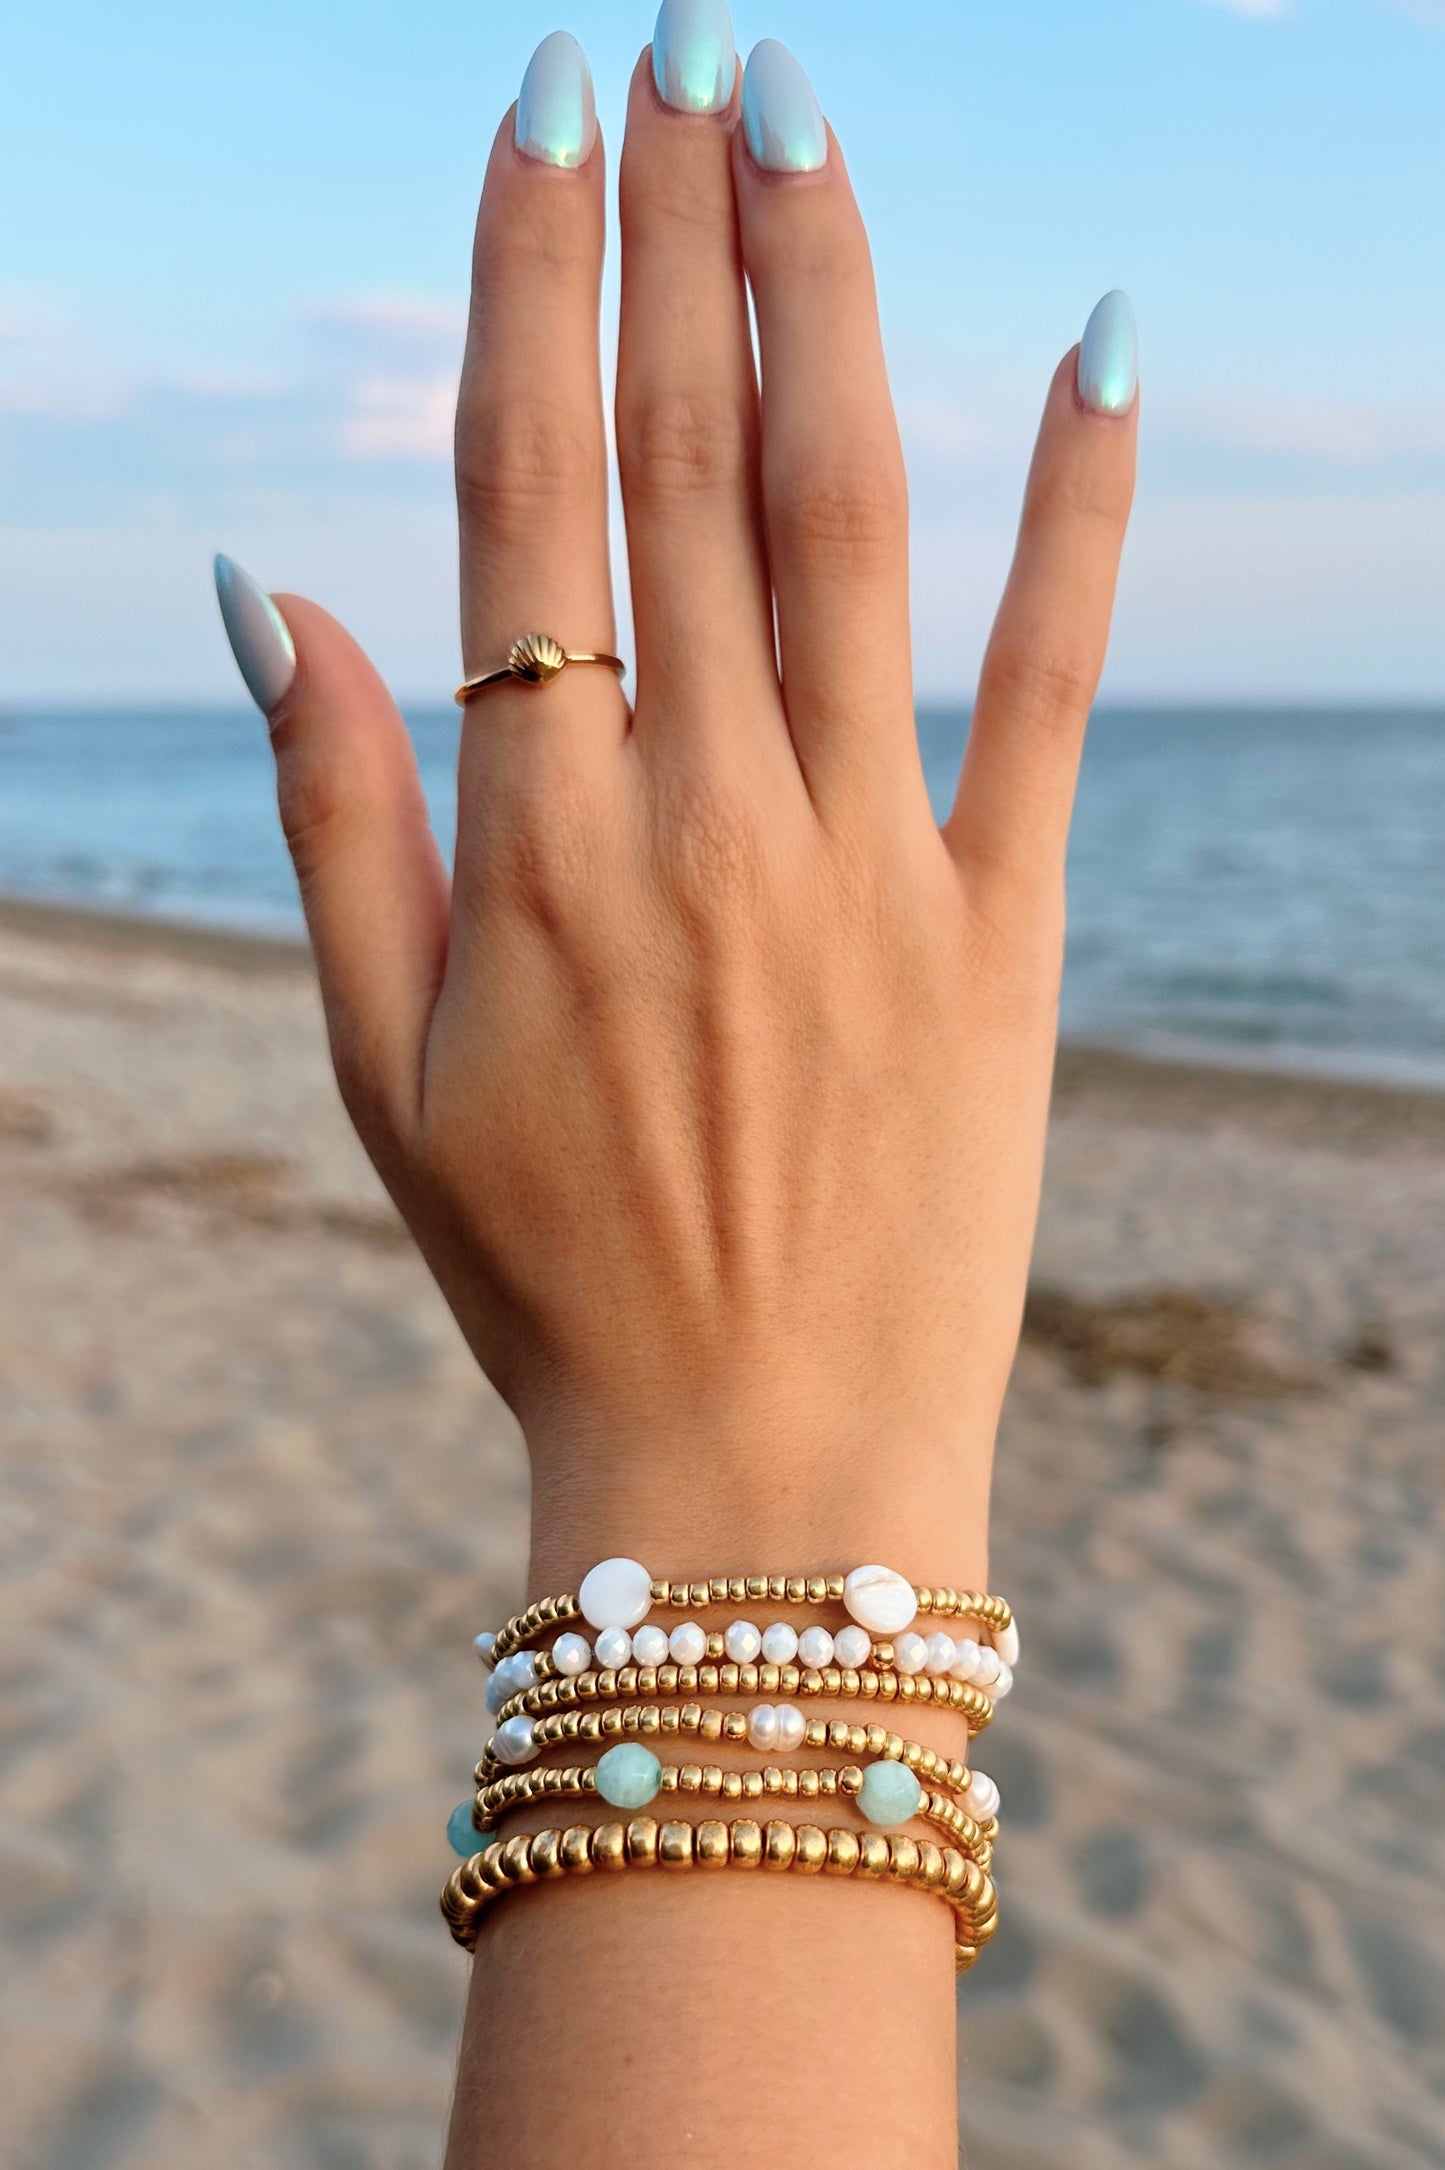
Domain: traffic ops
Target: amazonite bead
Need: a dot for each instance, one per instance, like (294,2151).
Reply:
(890,1794)
(465,1838)
(629,1775)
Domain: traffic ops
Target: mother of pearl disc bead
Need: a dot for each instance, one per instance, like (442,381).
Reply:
(890,1794)
(880,1600)
(1006,1642)
(852,1646)
(616,1593)
(649,1646)
(629,1775)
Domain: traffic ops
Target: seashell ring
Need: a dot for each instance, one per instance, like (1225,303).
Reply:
(535,660)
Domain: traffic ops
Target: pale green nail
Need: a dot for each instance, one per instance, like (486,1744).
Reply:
(694,59)
(782,119)
(556,108)
(1109,356)
(260,637)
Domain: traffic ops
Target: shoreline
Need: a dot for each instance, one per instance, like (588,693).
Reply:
(1154,1086)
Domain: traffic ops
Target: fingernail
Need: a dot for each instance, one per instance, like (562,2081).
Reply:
(782,119)
(260,637)
(694,58)
(556,108)
(1109,356)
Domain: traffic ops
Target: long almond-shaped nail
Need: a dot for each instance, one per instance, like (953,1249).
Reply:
(694,58)
(260,637)
(782,119)
(1109,356)
(556,106)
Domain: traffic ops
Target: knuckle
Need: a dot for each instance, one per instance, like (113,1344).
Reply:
(311,799)
(681,444)
(1040,688)
(713,858)
(516,457)
(848,518)
(543,864)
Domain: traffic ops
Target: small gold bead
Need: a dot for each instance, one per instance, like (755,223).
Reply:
(850,1779)
(609,1846)
(675,1845)
(810,1783)
(668,1679)
(669,1780)
(735,1726)
(677,1596)
(727,1679)
(873,1854)
(955,1871)
(931,1870)
(714,1726)
(642,1842)
(670,1720)
(796,1590)
(925,1599)
(717,1590)
(815,1733)
(659,1593)
(757,1586)
(713,1847)
(812,1849)
(712,1778)
(893,1747)
(778,1589)
(876,1736)
(716,1648)
(883,1655)
(732,1785)
(747,1844)
(649,1721)
(780,1846)
(773,1780)
(903,1858)
(830,1681)
(835,1588)
(752,1785)
(817,1590)
(842,1853)
(689,1778)
(516,1862)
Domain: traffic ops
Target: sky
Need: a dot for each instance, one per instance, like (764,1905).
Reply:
(233,260)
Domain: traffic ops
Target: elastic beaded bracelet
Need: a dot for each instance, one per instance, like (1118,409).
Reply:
(888,1794)
(835,1683)
(620,1593)
(802,1849)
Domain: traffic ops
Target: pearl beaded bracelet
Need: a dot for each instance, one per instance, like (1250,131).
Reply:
(619,1594)
(802,1849)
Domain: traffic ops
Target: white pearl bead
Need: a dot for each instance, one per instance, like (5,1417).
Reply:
(792,1726)
(940,1650)
(743,1643)
(852,1646)
(910,1653)
(571,1654)
(780,1643)
(613,1647)
(965,1658)
(986,1667)
(763,1726)
(1004,1684)
(982,1798)
(650,1646)
(815,1647)
(688,1643)
(484,1644)
(1006,1642)
(880,1600)
(515,1741)
(616,1593)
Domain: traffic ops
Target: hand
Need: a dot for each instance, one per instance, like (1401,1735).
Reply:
(714,1089)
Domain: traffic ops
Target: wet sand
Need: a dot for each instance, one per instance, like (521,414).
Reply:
(254,1502)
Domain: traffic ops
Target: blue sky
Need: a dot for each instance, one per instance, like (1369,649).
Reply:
(233,256)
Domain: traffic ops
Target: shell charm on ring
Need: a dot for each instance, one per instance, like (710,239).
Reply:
(536,658)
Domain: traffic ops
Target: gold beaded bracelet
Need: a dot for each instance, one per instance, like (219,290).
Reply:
(868,1684)
(803,1849)
(499,1797)
(942,1604)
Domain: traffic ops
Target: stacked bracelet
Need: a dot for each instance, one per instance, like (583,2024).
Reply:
(803,1849)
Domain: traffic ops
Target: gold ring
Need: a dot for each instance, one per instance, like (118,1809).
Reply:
(535,660)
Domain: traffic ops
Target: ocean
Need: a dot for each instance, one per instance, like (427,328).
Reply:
(1257,885)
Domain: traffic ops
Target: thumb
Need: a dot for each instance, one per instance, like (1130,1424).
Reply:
(373,887)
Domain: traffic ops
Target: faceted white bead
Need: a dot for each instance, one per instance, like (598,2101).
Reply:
(981,1799)
(743,1643)
(616,1593)
(852,1646)
(763,1726)
(650,1646)
(484,1644)
(515,1741)
(688,1643)
(966,1653)
(986,1667)
(571,1654)
(515,1673)
(1004,1683)
(910,1653)
(880,1600)
(780,1643)
(815,1647)
(496,1692)
(792,1725)
(614,1648)
(1006,1642)
(940,1650)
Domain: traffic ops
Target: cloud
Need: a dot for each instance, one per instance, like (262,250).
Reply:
(1357,435)
(1252,7)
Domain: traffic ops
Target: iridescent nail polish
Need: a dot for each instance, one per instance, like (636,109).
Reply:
(1109,356)
(260,637)
(782,119)
(694,59)
(556,108)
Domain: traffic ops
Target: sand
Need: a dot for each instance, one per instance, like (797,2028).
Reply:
(255,1501)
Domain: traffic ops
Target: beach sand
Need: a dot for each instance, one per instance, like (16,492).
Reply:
(255,1501)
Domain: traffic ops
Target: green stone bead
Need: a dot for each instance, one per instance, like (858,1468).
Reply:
(890,1794)
(629,1776)
(466,1839)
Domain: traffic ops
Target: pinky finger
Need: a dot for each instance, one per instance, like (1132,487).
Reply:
(1047,651)
(373,886)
